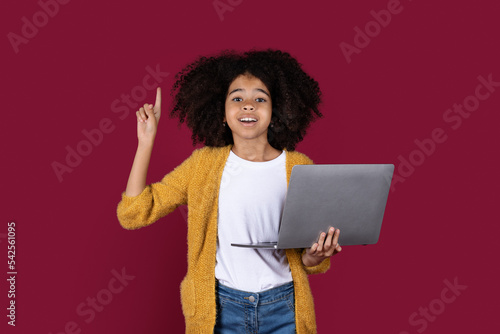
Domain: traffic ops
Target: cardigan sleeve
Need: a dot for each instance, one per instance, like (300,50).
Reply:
(318,269)
(157,199)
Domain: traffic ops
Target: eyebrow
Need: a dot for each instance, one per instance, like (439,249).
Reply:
(241,89)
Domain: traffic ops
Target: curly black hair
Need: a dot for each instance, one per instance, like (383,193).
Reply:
(200,90)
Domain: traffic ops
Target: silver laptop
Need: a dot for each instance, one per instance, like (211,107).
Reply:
(349,197)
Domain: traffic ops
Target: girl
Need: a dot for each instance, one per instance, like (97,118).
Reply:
(249,110)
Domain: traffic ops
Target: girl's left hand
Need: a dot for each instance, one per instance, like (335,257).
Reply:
(326,246)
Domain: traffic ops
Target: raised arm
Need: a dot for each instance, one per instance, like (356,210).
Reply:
(148,117)
(141,204)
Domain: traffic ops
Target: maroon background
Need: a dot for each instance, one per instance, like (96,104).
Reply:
(440,223)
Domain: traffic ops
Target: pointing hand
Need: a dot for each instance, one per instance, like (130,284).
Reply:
(148,117)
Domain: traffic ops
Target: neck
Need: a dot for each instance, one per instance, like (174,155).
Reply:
(255,152)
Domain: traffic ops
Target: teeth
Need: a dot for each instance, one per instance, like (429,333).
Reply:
(248,119)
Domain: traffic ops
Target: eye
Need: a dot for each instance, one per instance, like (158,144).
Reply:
(260,99)
(237,99)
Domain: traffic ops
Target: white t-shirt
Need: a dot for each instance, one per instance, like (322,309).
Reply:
(251,199)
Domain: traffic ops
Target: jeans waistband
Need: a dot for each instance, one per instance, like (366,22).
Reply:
(254,298)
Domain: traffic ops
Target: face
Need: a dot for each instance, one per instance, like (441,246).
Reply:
(248,109)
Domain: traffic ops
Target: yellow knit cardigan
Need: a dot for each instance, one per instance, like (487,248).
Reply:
(196,183)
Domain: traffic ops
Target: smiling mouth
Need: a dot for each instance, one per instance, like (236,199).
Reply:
(247,120)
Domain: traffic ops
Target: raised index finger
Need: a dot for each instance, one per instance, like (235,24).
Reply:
(158,97)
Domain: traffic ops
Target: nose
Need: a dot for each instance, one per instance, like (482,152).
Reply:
(248,107)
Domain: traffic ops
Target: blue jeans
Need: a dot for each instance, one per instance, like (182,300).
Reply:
(270,311)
